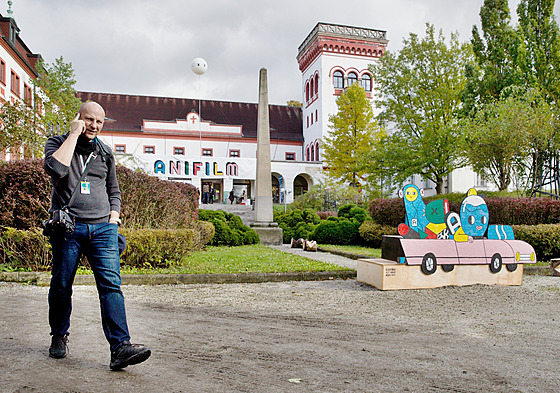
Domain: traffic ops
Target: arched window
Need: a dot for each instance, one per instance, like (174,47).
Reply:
(317,84)
(307,154)
(317,151)
(366,82)
(338,80)
(352,78)
(313,153)
(307,92)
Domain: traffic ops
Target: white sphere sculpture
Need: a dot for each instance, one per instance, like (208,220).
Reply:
(199,66)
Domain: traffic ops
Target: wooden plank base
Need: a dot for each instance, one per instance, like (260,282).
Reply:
(386,275)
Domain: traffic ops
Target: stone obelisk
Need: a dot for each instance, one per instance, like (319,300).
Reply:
(264,224)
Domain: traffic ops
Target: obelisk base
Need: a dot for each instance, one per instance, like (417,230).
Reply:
(269,233)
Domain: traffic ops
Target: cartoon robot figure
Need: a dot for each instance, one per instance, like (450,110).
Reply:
(416,221)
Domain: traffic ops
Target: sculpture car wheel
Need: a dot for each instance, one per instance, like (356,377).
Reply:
(511,267)
(496,263)
(448,268)
(429,264)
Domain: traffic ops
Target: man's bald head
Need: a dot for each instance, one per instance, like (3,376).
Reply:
(91,105)
(93,116)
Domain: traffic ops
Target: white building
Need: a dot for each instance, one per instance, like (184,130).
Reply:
(17,71)
(207,142)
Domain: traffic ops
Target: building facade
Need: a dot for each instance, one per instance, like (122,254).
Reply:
(17,72)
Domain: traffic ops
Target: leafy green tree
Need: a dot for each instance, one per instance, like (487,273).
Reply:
(294,103)
(539,58)
(496,53)
(54,105)
(504,137)
(60,104)
(418,89)
(354,132)
(19,128)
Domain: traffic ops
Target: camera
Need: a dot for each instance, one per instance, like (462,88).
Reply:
(60,223)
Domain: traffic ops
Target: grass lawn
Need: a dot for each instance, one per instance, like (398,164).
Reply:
(356,250)
(242,259)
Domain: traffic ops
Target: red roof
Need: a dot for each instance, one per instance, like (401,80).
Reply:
(127,113)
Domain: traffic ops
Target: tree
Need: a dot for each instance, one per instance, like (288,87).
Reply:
(496,53)
(59,101)
(503,138)
(418,89)
(19,128)
(354,133)
(294,103)
(539,58)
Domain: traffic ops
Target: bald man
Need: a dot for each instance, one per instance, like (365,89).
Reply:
(95,208)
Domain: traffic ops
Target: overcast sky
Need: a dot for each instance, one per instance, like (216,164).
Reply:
(146,47)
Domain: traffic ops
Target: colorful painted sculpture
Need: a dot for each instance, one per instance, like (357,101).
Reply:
(447,239)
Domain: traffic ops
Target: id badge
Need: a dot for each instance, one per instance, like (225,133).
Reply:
(85,187)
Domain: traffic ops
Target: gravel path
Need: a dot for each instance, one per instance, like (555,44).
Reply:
(329,336)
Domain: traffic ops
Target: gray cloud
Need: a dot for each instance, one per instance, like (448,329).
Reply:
(146,47)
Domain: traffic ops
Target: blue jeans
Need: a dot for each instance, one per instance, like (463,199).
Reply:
(99,243)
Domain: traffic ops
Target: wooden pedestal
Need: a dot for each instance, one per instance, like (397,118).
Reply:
(385,275)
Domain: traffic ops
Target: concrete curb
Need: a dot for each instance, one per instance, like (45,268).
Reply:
(43,279)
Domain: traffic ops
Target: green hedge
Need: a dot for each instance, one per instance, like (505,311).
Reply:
(28,249)
(147,202)
(372,233)
(25,249)
(229,229)
(544,238)
(502,210)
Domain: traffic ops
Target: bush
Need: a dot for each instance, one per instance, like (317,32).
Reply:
(544,238)
(502,210)
(26,194)
(25,249)
(372,233)
(154,248)
(353,212)
(325,215)
(297,223)
(229,229)
(147,202)
(389,212)
(30,250)
(337,230)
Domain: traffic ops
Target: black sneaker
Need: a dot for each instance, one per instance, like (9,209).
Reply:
(128,354)
(59,347)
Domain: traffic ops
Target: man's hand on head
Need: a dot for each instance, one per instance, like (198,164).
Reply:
(77,126)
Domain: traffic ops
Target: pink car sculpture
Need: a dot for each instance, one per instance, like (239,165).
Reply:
(448,253)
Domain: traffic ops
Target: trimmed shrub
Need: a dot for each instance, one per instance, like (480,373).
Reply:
(297,223)
(148,202)
(337,230)
(389,212)
(26,194)
(229,229)
(544,238)
(353,212)
(502,210)
(155,248)
(25,249)
(372,233)
(325,215)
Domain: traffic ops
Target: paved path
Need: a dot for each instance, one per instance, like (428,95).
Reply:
(319,256)
(321,336)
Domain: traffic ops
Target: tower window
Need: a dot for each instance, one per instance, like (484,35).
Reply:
(352,78)
(338,80)
(366,82)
